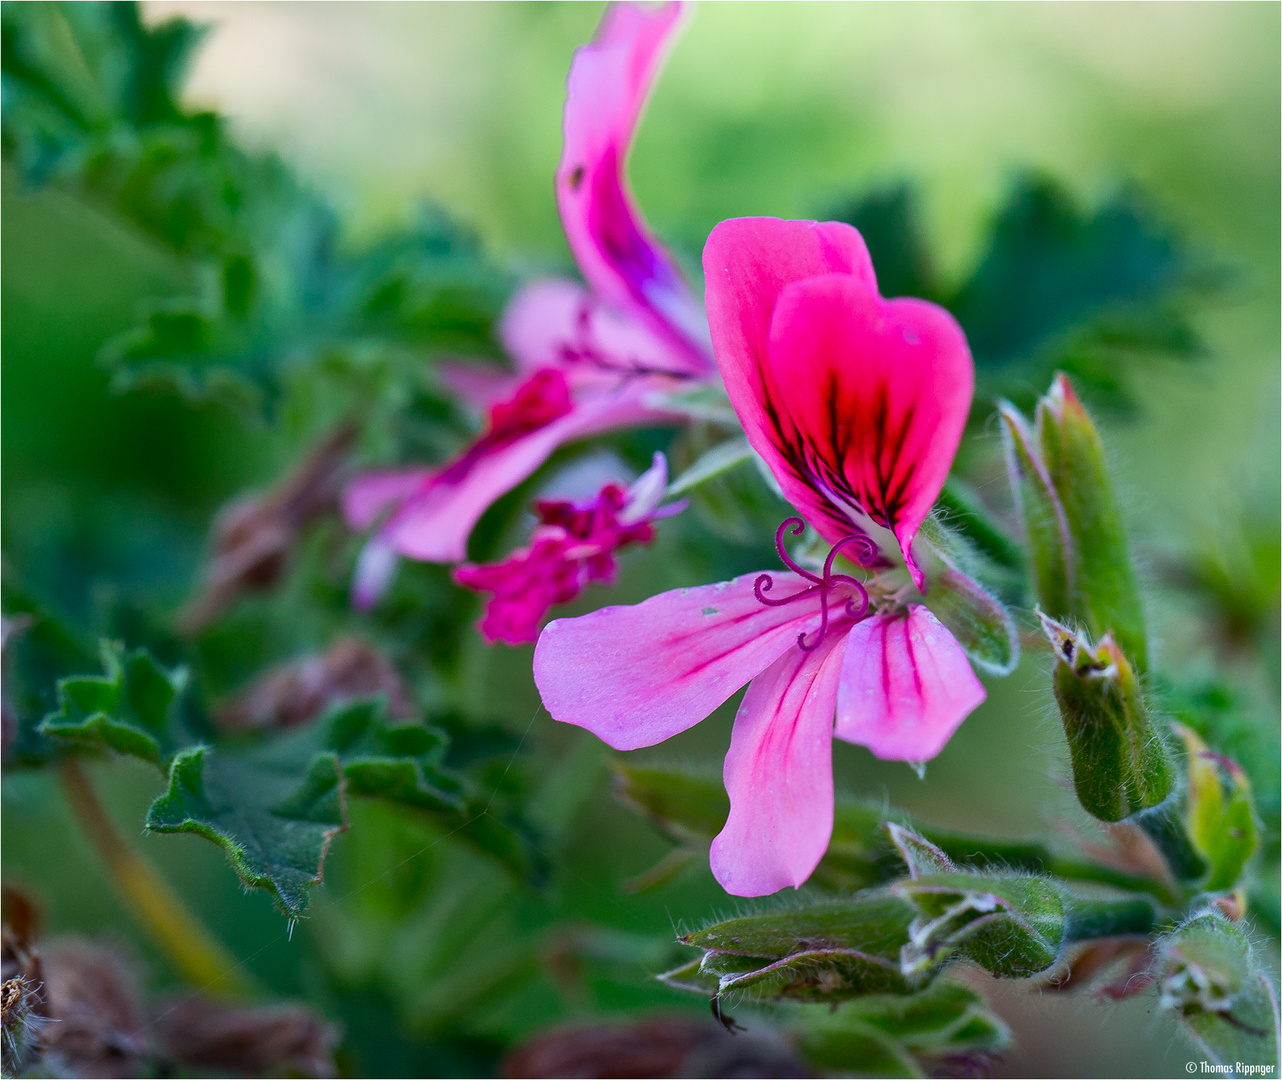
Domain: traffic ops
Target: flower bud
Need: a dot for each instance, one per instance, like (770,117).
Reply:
(1220,825)
(1011,927)
(1209,977)
(1078,554)
(1120,764)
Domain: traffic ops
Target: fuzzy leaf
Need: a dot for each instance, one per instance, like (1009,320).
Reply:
(826,951)
(130,709)
(906,1036)
(274,825)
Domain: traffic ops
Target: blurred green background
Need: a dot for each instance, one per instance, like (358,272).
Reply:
(770,108)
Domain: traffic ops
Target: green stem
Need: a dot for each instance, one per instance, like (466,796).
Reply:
(194,953)
(1076,870)
(1086,919)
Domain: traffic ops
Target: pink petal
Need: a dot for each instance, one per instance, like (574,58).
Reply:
(375,568)
(779,774)
(637,675)
(906,686)
(368,495)
(747,263)
(479,385)
(556,323)
(436,519)
(622,263)
(877,392)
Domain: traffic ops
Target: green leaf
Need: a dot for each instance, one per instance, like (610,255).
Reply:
(920,856)
(824,951)
(905,1036)
(688,806)
(1120,764)
(130,709)
(274,823)
(1211,981)
(267,807)
(1060,283)
(720,459)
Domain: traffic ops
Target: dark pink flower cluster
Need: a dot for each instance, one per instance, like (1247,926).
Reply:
(572,547)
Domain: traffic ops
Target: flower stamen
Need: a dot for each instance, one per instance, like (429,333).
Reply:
(824,585)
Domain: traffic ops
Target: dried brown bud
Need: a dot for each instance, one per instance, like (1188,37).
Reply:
(661,1047)
(303,689)
(254,536)
(206,1034)
(97,1024)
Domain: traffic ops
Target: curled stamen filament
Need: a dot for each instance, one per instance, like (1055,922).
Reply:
(824,585)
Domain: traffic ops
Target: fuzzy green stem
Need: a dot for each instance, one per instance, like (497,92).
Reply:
(1086,919)
(194,953)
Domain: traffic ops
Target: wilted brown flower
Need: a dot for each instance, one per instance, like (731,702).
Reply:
(93,999)
(254,536)
(303,689)
(204,1033)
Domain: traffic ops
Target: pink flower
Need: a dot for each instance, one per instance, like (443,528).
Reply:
(857,404)
(588,360)
(572,547)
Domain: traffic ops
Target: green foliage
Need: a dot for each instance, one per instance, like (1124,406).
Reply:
(274,824)
(1211,981)
(131,708)
(275,807)
(1012,927)
(826,951)
(1057,287)
(91,105)
(944,1024)
(1120,764)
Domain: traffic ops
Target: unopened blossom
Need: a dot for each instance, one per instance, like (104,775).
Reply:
(857,404)
(572,547)
(587,360)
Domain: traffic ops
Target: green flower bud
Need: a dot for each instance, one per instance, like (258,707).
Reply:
(1221,825)
(1011,927)
(1077,550)
(1209,977)
(1120,764)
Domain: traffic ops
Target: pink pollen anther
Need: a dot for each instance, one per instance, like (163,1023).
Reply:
(824,584)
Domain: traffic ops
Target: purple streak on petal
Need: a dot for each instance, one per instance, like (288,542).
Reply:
(778,773)
(637,675)
(369,495)
(622,263)
(906,686)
